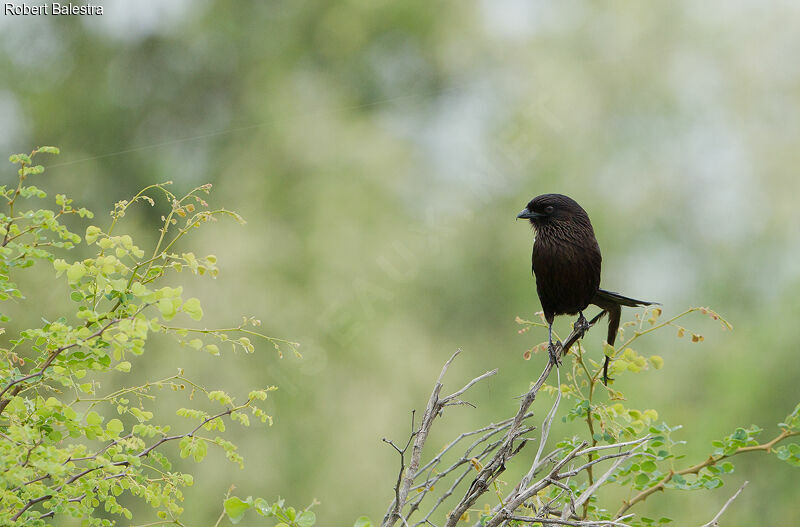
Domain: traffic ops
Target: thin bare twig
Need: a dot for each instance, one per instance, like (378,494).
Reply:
(574,523)
(492,458)
(506,451)
(599,481)
(715,521)
(544,434)
(433,409)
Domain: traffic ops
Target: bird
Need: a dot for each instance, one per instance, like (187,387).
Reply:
(566,263)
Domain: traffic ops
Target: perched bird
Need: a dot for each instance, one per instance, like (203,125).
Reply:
(566,262)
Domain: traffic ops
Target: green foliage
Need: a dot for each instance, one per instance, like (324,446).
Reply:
(658,463)
(68,447)
(235,509)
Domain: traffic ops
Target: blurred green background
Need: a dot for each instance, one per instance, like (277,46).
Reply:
(380,151)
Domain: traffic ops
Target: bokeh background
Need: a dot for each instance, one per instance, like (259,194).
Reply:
(380,151)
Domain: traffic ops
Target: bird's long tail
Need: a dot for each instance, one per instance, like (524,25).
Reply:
(610,296)
(612,303)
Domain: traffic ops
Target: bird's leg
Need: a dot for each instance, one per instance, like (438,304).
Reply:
(606,378)
(551,348)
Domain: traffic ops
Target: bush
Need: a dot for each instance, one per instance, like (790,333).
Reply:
(67,446)
(631,452)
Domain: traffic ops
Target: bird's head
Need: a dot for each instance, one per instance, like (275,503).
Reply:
(549,209)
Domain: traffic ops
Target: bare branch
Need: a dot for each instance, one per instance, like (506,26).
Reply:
(506,451)
(546,494)
(615,445)
(543,435)
(715,521)
(575,523)
(433,409)
(468,386)
(594,486)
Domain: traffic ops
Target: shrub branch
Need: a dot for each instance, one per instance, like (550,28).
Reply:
(712,460)
(142,454)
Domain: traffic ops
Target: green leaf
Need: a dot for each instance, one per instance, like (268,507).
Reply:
(60,266)
(262,507)
(363,521)
(75,272)
(69,413)
(306,519)
(648,466)
(261,395)
(245,342)
(192,308)
(656,361)
(93,418)
(114,427)
(92,232)
(185,446)
(167,308)
(141,415)
(219,396)
(138,289)
(235,508)
(200,451)
(679,481)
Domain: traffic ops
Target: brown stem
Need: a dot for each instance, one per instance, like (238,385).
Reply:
(590,456)
(16,385)
(643,495)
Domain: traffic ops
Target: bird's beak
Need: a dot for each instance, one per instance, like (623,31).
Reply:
(528,214)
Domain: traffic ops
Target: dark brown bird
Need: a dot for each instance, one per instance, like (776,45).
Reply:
(566,262)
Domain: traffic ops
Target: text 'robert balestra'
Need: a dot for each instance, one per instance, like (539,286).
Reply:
(52,9)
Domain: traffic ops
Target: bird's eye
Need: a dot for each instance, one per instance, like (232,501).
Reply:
(548,209)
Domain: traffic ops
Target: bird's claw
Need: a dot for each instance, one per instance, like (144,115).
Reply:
(553,350)
(581,325)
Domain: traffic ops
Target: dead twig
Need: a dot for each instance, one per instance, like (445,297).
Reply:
(715,521)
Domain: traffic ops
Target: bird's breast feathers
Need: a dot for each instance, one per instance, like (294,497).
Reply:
(567,273)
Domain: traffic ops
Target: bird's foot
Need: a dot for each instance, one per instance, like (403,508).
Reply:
(553,350)
(581,325)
